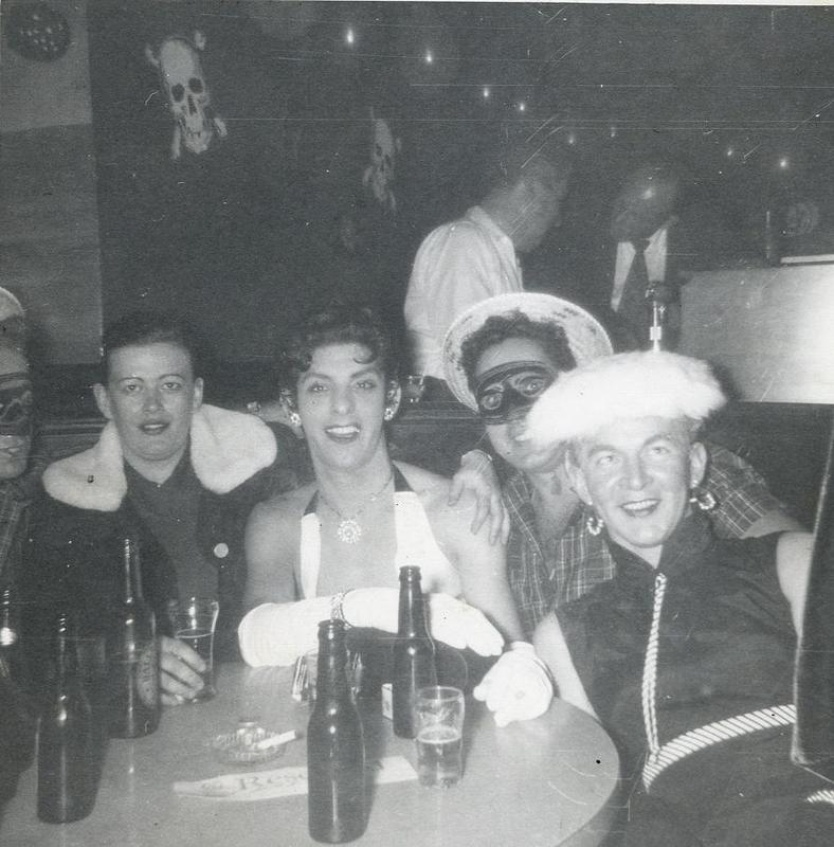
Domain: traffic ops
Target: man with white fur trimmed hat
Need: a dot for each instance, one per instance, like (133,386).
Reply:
(687,654)
(499,357)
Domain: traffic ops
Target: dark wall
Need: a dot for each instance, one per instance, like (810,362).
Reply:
(251,233)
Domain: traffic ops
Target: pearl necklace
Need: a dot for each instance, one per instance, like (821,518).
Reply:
(350,530)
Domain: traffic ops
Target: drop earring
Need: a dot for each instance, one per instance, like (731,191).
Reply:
(594,523)
(388,414)
(702,499)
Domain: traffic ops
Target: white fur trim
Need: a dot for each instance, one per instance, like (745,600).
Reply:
(625,386)
(227,448)
(94,479)
(10,306)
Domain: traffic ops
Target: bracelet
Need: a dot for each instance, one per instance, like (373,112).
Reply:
(526,649)
(482,452)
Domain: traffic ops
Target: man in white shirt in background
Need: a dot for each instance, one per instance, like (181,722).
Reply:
(476,257)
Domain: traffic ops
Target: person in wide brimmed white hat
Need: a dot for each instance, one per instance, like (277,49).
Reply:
(687,654)
(500,356)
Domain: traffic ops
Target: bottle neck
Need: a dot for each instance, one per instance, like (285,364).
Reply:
(9,620)
(66,664)
(332,662)
(132,573)
(412,619)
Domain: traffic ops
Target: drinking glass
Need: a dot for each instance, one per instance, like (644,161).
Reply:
(309,669)
(193,621)
(440,713)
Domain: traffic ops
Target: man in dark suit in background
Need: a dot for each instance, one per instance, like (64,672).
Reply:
(643,223)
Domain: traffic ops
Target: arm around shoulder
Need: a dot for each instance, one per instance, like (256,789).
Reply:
(481,565)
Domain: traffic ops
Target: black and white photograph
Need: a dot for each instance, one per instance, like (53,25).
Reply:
(416,423)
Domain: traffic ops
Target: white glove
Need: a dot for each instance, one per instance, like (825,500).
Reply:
(460,625)
(276,633)
(518,687)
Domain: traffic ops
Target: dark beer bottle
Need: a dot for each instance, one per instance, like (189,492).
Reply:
(335,747)
(414,665)
(133,656)
(67,763)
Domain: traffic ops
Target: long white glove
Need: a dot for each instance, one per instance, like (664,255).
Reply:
(276,633)
(518,687)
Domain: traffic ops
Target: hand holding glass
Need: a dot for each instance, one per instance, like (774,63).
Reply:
(440,713)
(193,622)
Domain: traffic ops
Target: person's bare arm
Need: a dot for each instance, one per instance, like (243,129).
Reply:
(551,646)
(270,544)
(482,567)
(774,521)
(278,627)
(793,565)
(477,476)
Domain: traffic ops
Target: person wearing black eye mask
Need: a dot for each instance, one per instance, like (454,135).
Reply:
(509,390)
(19,477)
(20,481)
(499,357)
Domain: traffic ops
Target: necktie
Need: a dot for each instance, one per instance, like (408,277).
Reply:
(633,307)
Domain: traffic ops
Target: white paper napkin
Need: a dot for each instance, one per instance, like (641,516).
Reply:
(282,782)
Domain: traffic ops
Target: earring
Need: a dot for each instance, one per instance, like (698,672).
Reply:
(389,413)
(702,499)
(295,419)
(594,523)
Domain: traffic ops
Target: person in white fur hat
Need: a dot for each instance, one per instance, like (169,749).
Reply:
(500,356)
(179,475)
(687,654)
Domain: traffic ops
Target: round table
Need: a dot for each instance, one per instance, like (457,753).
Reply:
(549,781)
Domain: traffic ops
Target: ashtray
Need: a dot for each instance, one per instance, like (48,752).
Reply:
(251,743)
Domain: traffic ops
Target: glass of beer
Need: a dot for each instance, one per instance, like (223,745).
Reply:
(193,621)
(439,739)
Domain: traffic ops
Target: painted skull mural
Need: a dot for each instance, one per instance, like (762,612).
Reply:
(188,94)
(380,174)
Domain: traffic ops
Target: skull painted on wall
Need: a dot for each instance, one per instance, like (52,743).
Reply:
(188,94)
(380,174)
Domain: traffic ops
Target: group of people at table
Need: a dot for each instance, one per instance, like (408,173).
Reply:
(597,549)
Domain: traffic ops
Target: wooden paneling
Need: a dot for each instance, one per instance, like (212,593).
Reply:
(49,243)
(769,330)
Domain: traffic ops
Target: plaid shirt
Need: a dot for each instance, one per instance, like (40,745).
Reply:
(579,560)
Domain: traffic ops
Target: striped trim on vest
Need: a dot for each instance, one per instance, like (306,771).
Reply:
(661,756)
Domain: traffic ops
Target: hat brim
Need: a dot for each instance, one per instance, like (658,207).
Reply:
(586,336)
(10,306)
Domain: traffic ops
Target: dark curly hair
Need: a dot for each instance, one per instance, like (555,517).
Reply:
(516,324)
(336,325)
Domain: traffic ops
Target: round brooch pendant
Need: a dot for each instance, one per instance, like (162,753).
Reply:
(349,531)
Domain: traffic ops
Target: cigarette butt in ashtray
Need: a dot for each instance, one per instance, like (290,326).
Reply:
(277,740)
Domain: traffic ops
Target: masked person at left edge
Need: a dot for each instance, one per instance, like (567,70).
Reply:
(21,468)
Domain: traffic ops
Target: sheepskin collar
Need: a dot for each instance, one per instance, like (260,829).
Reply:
(227,448)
